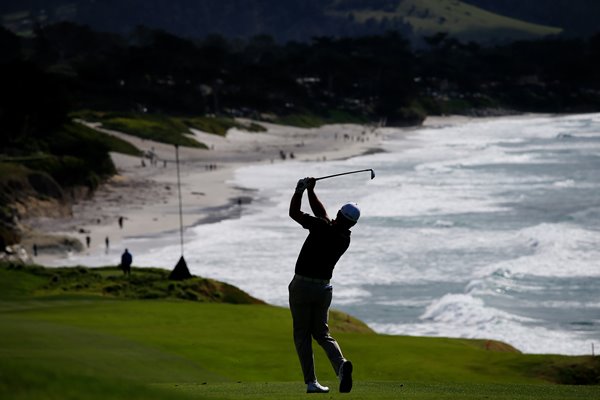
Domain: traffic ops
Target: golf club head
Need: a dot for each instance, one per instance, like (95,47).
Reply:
(372,174)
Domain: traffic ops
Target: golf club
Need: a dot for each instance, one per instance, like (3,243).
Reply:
(347,173)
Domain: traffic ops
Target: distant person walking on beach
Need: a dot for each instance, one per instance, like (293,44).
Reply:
(310,292)
(126,260)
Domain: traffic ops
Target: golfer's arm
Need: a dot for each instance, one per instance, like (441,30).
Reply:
(316,206)
(295,205)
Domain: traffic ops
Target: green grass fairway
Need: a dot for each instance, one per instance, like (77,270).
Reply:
(387,390)
(91,346)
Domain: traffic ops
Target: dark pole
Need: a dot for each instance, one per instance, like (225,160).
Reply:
(180,207)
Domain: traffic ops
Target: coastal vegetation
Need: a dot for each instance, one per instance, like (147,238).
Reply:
(165,128)
(308,119)
(64,334)
(145,283)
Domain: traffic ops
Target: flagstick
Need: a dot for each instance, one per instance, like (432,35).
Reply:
(180,207)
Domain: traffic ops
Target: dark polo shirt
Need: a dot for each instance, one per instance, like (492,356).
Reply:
(322,248)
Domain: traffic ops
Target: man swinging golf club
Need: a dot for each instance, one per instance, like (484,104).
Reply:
(310,291)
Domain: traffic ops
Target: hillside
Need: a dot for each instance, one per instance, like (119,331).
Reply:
(461,21)
(284,20)
(110,282)
(576,17)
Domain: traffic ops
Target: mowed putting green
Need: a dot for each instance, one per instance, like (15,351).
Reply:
(88,346)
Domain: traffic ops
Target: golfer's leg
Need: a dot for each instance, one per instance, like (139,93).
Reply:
(302,316)
(320,331)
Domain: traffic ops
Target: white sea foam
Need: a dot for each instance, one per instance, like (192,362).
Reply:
(461,315)
(464,309)
(560,250)
(565,183)
(414,302)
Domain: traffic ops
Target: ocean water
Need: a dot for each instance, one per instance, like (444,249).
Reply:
(488,229)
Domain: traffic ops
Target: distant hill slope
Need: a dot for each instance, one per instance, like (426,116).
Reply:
(576,17)
(284,20)
(461,21)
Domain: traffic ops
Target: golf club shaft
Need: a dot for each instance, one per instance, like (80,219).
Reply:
(345,173)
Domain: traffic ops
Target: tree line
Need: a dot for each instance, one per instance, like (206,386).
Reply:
(376,77)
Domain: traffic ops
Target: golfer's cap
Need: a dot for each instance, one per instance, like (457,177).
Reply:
(350,211)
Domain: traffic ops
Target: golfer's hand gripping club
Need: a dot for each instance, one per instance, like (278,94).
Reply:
(302,185)
(305,183)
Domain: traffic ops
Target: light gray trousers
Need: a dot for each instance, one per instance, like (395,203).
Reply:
(309,303)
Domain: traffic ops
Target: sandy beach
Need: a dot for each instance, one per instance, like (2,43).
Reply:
(143,195)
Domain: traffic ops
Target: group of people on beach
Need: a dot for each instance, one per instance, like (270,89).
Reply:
(126,257)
